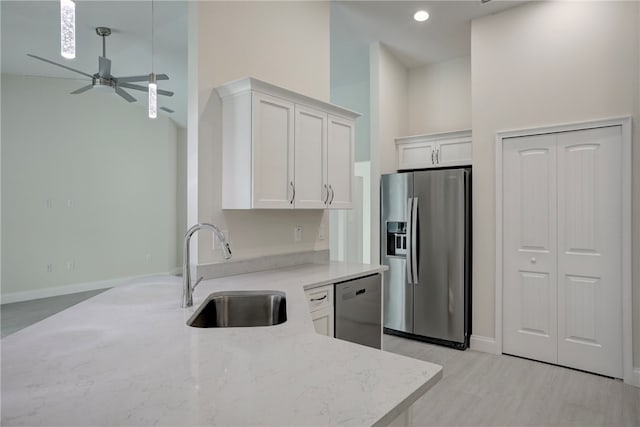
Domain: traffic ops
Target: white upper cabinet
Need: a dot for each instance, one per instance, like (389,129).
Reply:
(310,158)
(273,150)
(434,150)
(340,164)
(283,150)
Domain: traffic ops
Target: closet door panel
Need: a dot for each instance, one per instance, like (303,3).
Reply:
(590,250)
(529,247)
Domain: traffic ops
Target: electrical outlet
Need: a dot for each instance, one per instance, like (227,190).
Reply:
(49,268)
(216,242)
(49,203)
(71,265)
(297,234)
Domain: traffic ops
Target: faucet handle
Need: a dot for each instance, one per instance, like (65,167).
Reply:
(197,283)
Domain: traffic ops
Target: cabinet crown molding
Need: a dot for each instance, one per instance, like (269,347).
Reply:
(438,136)
(252,84)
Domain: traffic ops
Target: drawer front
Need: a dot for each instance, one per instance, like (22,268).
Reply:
(320,298)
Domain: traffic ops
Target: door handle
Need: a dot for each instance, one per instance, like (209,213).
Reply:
(318,299)
(332,194)
(409,247)
(438,156)
(432,153)
(326,190)
(293,195)
(414,241)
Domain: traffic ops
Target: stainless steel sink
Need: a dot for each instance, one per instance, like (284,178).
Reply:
(240,309)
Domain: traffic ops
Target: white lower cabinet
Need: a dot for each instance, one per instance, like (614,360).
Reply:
(320,302)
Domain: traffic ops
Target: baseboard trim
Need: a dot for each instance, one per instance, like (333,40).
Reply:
(483,344)
(635,378)
(72,289)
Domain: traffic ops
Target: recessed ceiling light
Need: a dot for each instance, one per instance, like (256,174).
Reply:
(421,16)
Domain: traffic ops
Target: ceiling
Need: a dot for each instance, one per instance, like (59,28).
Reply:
(445,35)
(34,27)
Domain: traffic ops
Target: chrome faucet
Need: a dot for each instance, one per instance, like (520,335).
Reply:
(187,289)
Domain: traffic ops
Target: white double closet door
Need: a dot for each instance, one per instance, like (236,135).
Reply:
(562,249)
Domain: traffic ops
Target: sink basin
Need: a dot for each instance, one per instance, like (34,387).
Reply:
(241,309)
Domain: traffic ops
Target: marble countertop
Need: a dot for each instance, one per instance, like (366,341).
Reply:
(126,357)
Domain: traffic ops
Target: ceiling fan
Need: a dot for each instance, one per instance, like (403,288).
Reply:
(103,78)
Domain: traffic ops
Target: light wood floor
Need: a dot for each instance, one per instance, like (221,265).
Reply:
(480,389)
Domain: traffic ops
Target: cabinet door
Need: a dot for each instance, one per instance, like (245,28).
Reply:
(273,152)
(415,155)
(455,152)
(340,146)
(310,158)
(323,321)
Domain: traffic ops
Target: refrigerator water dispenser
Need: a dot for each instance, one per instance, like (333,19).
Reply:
(397,238)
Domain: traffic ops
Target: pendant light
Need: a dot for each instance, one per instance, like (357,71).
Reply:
(153,86)
(67,29)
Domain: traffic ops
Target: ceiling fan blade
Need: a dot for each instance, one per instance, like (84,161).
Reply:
(60,65)
(104,66)
(125,94)
(165,92)
(145,89)
(168,110)
(142,78)
(82,89)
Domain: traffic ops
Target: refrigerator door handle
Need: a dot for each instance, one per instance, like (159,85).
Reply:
(409,247)
(414,241)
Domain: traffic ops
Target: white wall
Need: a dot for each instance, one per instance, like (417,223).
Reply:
(389,81)
(545,63)
(440,97)
(109,174)
(284,43)
(350,85)
(181,192)
(393,106)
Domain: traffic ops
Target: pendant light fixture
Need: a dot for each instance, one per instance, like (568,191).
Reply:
(67,29)
(153,86)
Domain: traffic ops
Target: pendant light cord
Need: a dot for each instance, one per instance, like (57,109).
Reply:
(152,35)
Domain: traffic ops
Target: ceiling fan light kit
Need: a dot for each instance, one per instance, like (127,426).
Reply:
(105,82)
(67,29)
(153,86)
(153,96)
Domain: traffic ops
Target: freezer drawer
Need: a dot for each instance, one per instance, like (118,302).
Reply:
(358,311)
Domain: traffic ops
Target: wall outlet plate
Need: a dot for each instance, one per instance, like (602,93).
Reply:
(297,234)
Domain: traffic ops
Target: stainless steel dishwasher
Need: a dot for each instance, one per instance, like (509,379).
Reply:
(358,311)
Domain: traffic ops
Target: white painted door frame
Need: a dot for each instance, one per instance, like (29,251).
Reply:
(625,123)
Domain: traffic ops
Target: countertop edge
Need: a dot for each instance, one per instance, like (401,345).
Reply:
(394,413)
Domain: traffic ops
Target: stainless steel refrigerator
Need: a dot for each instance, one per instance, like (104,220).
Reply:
(426,242)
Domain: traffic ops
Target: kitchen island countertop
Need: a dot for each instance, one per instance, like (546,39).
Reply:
(127,357)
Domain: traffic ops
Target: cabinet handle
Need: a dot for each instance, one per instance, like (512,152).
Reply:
(332,194)
(319,299)
(293,196)
(438,156)
(327,193)
(432,153)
